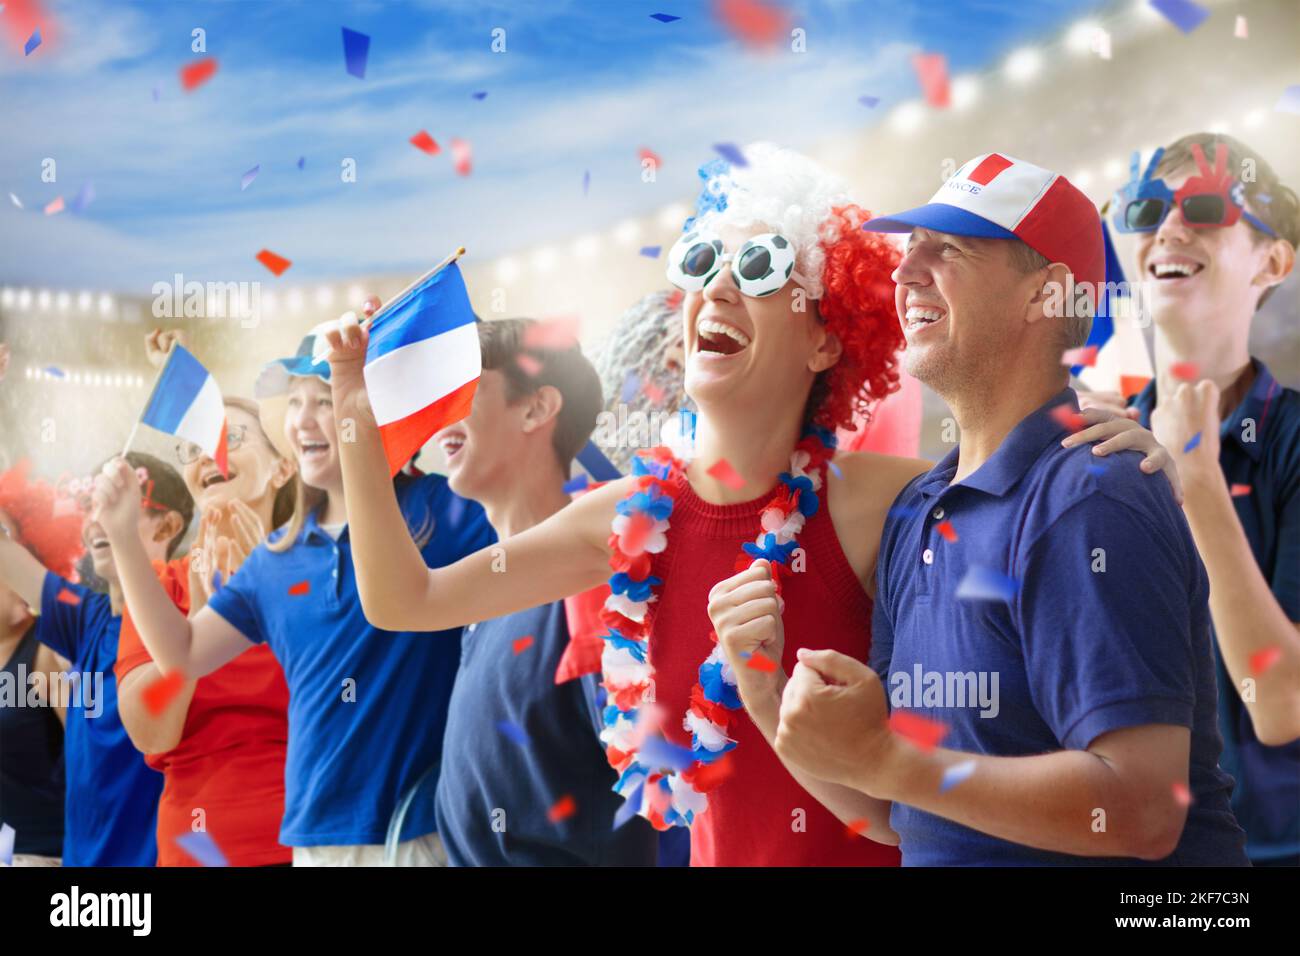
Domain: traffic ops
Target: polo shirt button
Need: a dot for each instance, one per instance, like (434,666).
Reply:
(937,514)
(927,556)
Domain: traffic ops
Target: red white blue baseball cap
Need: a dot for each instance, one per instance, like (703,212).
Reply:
(995,196)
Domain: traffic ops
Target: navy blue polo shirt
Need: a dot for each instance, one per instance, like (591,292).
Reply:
(1260,447)
(517,744)
(1055,651)
(367,707)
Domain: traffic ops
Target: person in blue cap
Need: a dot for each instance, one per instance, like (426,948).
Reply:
(367,707)
(1041,685)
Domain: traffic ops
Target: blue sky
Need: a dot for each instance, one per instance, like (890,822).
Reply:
(582,86)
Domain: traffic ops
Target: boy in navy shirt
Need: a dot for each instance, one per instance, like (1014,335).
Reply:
(1041,614)
(1206,280)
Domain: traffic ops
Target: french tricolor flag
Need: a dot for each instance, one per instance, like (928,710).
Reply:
(422,364)
(186,402)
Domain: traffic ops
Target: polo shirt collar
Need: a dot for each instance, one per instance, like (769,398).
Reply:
(1013,458)
(311,529)
(1254,405)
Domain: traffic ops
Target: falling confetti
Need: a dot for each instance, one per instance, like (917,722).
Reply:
(1192,443)
(1130,385)
(723,472)
(356,49)
(629,808)
(1241,31)
(657,752)
(869,101)
(202,848)
(162,691)
(461,152)
(522,644)
(664,17)
(85,196)
(15,200)
(1185,371)
(302,587)
(631,385)
(956,774)
(586,181)
(754,23)
(424,142)
(1261,661)
(855,828)
(1238,491)
(528,365)
(302,161)
(981,583)
(196,74)
(1184,14)
(563,808)
(67,597)
(480,96)
(920,731)
(731,153)
(1068,418)
(513,732)
(761,662)
(1182,795)
(557,333)
(247,179)
(653,392)
(7,837)
(277,264)
(55,371)
(1085,356)
(945,528)
(651,156)
(651,252)
(932,72)
(33,42)
(54,207)
(835,469)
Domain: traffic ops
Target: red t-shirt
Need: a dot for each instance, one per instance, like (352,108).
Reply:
(230,760)
(752,818)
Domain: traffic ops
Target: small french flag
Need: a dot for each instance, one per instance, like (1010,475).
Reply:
(422,364)
(186,402)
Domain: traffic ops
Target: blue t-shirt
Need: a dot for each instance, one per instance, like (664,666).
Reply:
(1260,447)
(497,790)
(367,707)
(110,815)
(1076,651)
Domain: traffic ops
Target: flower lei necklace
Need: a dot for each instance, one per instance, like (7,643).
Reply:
(667,784)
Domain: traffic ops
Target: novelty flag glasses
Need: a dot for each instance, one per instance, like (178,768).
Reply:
(1212,198)
(760,267)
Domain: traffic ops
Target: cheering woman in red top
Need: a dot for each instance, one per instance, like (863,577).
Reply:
(789,327)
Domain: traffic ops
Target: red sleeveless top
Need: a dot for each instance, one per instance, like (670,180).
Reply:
(759,816)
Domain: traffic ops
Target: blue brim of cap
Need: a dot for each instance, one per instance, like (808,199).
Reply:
(275,377)
(940,217)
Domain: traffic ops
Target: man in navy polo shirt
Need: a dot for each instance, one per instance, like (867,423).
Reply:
(1242,473)
(1041,614)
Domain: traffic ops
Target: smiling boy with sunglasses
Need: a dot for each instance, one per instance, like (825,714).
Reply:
(1216,234)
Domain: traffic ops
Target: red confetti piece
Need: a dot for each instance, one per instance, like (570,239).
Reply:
(196,74)
(646,154)
(302,587)
(423,141)
(653,392)
(463,155)
(1182,794)
(722,470)
(68,597)
(761,662)
(556,334)
(1068,418)
(1085,356)
(1185,371)
(162,692)
(932,72)
(529,365)
(277,264)
(1237,491)
(522,644)
(1130,385)
(921,731)
(564,808)
(855,828)
(1261,661)
(945,529)
(752,22)
(54,207)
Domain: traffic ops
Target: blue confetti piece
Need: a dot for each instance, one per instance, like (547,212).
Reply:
(302,161)
(1184,14)
(85,196)
(688,419)
(731,153)
(985,584)
(1289,103)
(664,17)
(33,42)
(651,252)
(55,371)
(203,848)
(835,469)
(631,385)
(7,835)
(956,774)
(904,511)
(601,696)
(356,50)
(586,181)
(869,101)
(657,752)
(1192,443)
(247,179)
(629,808)
(513,732)
(155,94)
(481,95)
(575,485)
